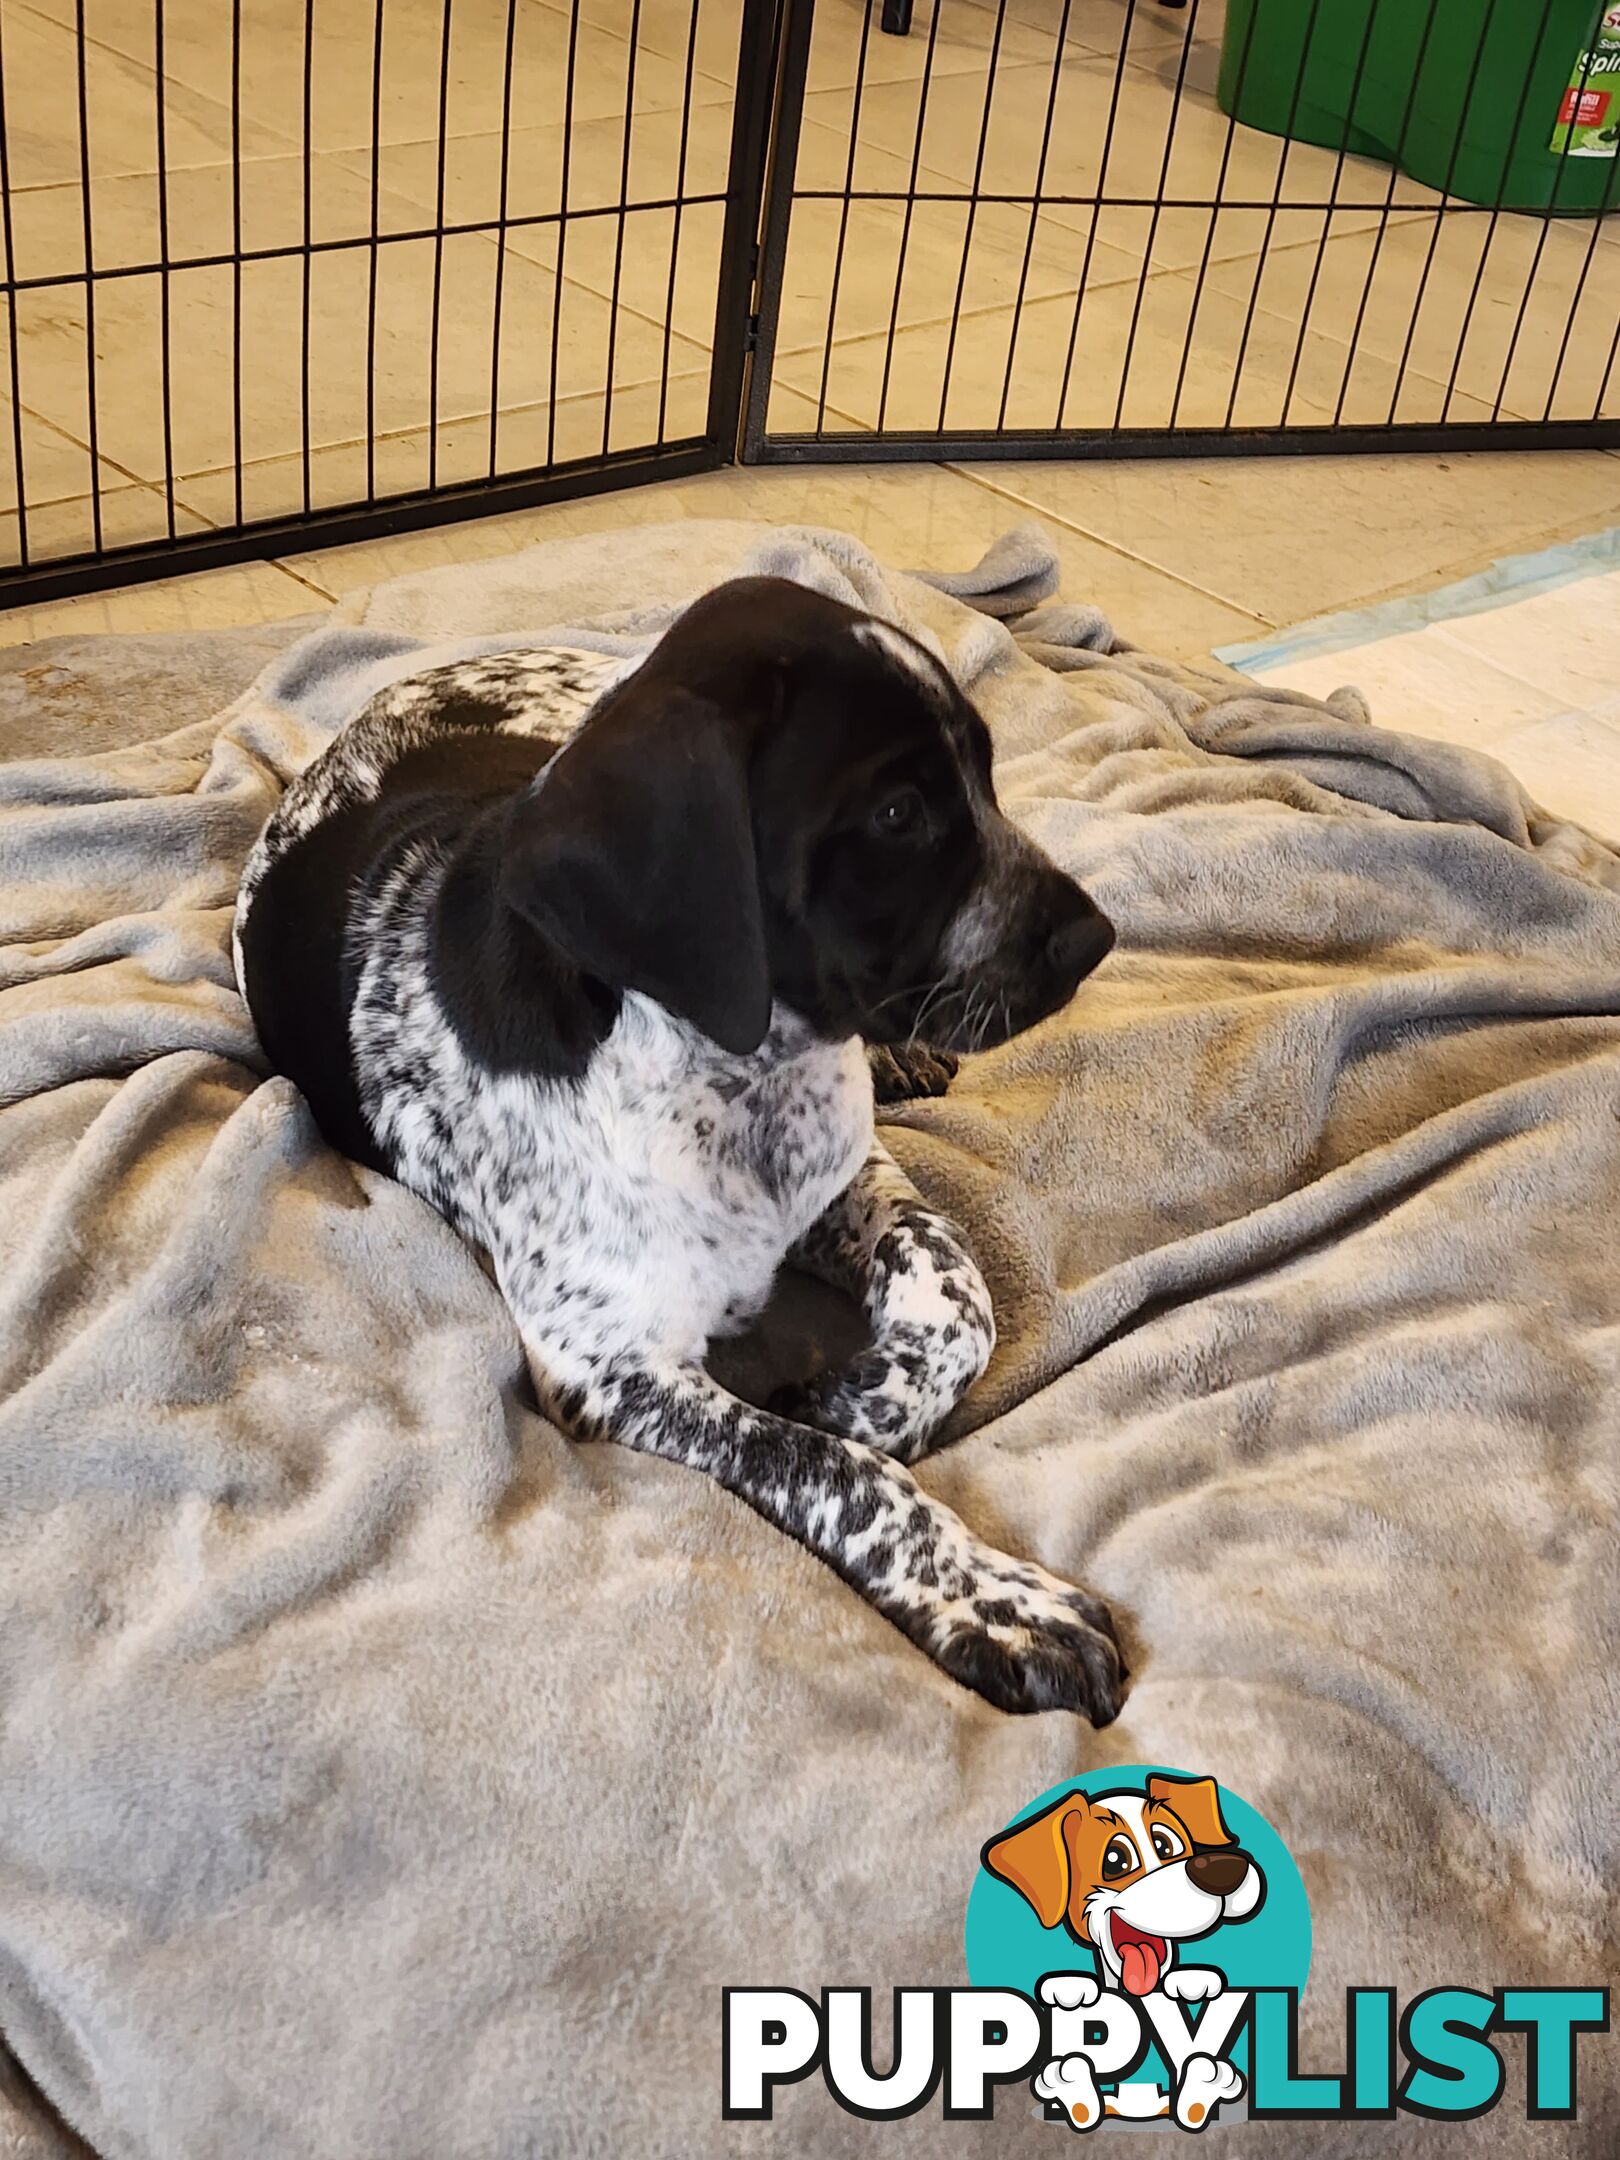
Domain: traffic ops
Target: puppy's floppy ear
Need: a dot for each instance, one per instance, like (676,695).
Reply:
(1198,1802)
(1035,1858)
(635,855)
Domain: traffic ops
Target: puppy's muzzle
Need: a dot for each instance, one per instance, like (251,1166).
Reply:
(1079,937)
(1055,937)
(1018,949)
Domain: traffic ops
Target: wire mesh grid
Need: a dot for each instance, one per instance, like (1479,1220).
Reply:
(275,267)
(286,270)
(1058,226)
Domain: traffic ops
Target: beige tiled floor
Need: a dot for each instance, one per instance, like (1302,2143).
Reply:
(1186,553)
(1073,313)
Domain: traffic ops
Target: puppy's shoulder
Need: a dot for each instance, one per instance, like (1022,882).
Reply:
(545,690)
(433,729)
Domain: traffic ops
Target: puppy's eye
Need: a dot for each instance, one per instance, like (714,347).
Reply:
(1167,1845)
(1119,1859)
(899,815)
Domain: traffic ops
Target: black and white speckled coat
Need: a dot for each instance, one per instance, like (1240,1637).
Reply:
(588,955)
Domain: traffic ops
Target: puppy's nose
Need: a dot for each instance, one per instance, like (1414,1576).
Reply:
(1218,1872)
(1074,948)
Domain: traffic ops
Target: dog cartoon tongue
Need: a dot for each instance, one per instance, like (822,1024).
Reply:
(1141,1957)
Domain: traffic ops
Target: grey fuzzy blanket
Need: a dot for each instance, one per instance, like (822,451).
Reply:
(382,1774)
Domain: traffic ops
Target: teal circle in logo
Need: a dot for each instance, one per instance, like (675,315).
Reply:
(1008,1945)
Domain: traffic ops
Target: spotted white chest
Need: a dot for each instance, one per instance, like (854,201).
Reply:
(716,1165)
(645,1206)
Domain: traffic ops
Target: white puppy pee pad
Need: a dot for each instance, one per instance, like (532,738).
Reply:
(1522,661)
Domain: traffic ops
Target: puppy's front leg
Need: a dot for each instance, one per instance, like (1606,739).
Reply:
(926,1304)
(1005,1628)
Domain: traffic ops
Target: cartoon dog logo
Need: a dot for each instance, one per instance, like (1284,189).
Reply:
(1133,1875)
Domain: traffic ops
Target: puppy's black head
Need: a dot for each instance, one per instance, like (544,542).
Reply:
(792,801)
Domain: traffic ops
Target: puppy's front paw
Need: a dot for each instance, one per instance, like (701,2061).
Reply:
(1026,1641)
(1192,1983)
(906,1072)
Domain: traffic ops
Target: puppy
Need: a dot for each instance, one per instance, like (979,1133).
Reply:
(599,993)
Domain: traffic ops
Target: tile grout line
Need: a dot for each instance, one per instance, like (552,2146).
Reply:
(1155,275)
(154,486)
(42,15)
(293,147)
(670,59)
(97,456)
(284,565)
(1084,532)
(1002,307)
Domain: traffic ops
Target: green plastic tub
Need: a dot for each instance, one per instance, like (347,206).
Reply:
(1513,103)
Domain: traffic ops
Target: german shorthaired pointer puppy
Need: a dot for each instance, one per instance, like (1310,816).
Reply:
(601,993)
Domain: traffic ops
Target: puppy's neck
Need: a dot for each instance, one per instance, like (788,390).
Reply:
(790,1037)
(790,1040)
